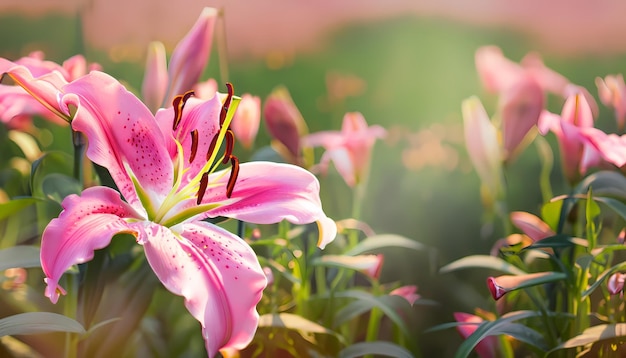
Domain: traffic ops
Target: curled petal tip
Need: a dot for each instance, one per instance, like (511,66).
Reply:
(53,290)
(496,290)
(328,230)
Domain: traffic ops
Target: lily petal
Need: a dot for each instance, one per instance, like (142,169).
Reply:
(199,115)
(155,77)
(45,88)
(123,135)
(531,225)
(246,121)
(481,139)
(520,107)
(87,223)
(488,346)
(191,55)
(217,273)
(267,193)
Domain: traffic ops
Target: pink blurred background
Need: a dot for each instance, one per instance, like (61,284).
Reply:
(262,27)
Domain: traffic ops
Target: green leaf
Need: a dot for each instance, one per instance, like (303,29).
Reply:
(388,304)
(619,267)
(593,335)
(613,204)
(57,186)
(14,206)
(50,162)
(503,326)
(558,241)
(516,282)
(360,306)
(482,261)
(357,263)
(380,348)
(604,183)
(294,322)
(377,242)
(38,322)
(551,213)
(19,256)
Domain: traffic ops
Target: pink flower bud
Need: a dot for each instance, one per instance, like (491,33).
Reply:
(284,121)
(245,123)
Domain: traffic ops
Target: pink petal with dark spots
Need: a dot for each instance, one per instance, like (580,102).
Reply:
(87,223)
(217,273)
(123,135)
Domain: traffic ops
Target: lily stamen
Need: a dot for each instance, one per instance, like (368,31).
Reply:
(194,145)
(234,173)
(179,103)
(226,104)
(230,144)
(204,182)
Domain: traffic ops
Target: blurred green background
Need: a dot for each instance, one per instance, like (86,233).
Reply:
(410,75)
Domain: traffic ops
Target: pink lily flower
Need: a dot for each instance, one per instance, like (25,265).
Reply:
(531,225)
(284,123)
(350,149)
(408,292)
(501,285)
(165,167)
(612,93)
(17,106)
(486,348)
(522,88)
(576,152)
(162,82)
(601,148)
(615,284)
(481,139)
(245,124)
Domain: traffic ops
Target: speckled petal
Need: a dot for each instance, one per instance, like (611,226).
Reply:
(199,115)
(87,223)
(267,193)
(123,135)
(216,272)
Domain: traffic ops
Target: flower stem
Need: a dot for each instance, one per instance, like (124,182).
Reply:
(375,316)
(78,140)
(69,310)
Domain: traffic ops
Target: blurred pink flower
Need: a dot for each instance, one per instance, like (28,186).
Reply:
(350,149)
(612,93)
(370,265)
(408,292)
(519,109)
(17,106)
(501,285)
(155,76)
(615,284)
(167,192)
(163,82)
(601,147)
(245,124)
(488,346)
(577,155)
(481,140)
(205,89)
(284,123)
(531,225)
(522,88)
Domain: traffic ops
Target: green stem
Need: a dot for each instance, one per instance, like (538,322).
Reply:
(69,310)
(78,140)
(357,201)
(545,153)
(374,320)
